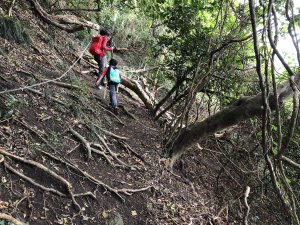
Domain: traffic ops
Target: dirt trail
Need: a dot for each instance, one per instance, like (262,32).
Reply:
(55,125)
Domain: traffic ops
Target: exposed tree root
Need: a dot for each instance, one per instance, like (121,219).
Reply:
(10,219)
(63,84)
(111,113)
(30,128)
(129,149)
(50,97)
(51,190)
(71,165)
(290,162)
(87,145)
(84,142)
(86,194)
(102,152)
(114,155)
(47,171)
(95,180)
(111,134)
(128,113)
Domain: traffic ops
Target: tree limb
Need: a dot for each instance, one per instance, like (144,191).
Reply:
(290,162)
(244,108)
(68,23)
(73,10)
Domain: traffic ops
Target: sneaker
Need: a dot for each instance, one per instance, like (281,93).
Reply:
(97,87)
(115,111)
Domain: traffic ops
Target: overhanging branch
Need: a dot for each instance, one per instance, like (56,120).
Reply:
(244,108)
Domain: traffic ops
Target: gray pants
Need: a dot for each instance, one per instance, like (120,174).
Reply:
(113,94)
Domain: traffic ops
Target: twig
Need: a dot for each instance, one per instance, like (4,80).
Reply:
(10,219)
(70,151)
(246,213)
(17,203)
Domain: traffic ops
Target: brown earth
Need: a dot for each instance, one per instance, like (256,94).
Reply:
(31,123)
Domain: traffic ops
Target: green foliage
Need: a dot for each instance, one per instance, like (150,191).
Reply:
(84,36)
(76,110)
(11,104)
(12,29)
(84,89)
(55,138)
(3,222)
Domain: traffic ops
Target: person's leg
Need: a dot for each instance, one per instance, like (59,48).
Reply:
(113,95)
(100,61)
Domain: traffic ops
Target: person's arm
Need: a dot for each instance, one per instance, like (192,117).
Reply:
(102,75)
(119,84)
(104,45)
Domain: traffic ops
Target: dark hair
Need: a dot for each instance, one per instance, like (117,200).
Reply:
(113,62)
(104,32)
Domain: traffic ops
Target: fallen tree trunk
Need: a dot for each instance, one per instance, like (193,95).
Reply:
(69,23)
(244,108)
(136,88)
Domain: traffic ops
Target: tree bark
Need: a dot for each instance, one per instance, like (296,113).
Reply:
(168,95)
(244,108)
(136,88)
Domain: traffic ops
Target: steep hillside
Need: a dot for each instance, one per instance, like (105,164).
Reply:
(65,158)
(47,129)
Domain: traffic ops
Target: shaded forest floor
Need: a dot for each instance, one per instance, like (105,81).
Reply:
(125,181)
(44,124)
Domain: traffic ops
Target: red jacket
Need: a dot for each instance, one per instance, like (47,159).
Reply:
(99,45)
(104,44)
